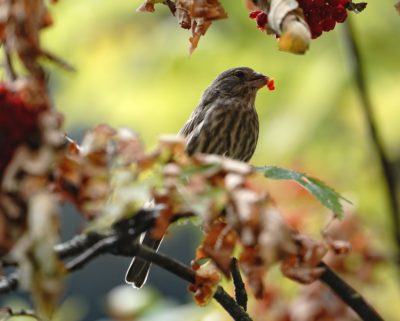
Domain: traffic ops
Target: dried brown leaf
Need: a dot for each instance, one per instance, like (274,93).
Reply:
(199,28)
(206,281)
(302,266)
(218,244)
(207,9)
(397,7)
(148,5)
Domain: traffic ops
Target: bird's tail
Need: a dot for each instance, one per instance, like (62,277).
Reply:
(139,269)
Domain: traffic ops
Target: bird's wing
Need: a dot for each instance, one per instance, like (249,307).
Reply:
(196,118)
(207,101)
(207,135)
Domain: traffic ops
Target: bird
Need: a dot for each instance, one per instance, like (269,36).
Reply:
(225,122)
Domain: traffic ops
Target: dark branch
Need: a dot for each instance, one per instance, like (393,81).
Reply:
(77,245)
(350,296)
(186,273)
(240,290)
(122,241)
(388,170)
(166,263)
(230,305)
(101,247)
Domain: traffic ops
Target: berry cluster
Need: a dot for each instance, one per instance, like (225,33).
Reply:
(322,15)
(18,124)
(260,17)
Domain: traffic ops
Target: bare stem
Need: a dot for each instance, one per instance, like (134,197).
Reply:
(186,273)
(350,296)
(8,63)
(240,290)
(388,172)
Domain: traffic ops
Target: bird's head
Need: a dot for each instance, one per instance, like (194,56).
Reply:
(240,81)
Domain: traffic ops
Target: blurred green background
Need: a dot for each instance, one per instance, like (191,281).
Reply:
(134,71)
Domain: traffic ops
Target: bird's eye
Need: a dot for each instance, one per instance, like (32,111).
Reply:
(239,74)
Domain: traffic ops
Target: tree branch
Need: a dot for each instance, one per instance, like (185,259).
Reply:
(186,273)
(101,247)
(122,241)
(388,171)
(350,296)
(240,290)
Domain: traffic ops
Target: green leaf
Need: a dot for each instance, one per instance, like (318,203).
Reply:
(325,194)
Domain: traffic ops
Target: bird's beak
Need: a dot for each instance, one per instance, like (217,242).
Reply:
(259,80)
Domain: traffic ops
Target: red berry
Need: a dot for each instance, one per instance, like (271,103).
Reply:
(323,13)
(18,124)
(254,14)
(261,20)
(339,14)
(271,84)
(316,30)
(328,24)
(333,3)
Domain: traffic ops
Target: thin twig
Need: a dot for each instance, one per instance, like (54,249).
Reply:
(8,63)
(77,245)
(186,273)
(167,263)
(350,296)
(94,251)
(230,305)
(388,171)
(58,61)
(240,290)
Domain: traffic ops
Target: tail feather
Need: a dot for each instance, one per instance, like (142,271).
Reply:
(139,269)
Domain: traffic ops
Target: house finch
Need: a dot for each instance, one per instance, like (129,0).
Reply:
(225,122)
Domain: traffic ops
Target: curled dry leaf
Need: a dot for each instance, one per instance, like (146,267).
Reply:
(350,238)
(218,244)
(148,5)
(397,7)
(20,24)
(196,15)
(84,172)
(199,28)
(206,281)
(302,266)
